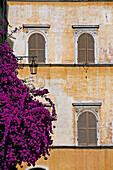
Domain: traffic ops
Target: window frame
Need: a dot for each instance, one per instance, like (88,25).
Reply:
(92,107)
(79,30)
(32,29)
(86,49)
(87,128)
(36,43)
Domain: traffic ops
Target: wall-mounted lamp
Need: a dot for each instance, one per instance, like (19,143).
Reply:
(33,65)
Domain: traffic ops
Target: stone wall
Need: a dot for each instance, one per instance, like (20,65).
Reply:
(61,17)
(68,85)
(85,159)
(71,84)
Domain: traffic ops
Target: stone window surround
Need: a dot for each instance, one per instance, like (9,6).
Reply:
(37,166)
(37,28)
(81,107)
(80,29)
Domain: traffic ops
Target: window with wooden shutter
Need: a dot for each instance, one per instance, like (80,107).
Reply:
(37,47)
(86,48)
(87,129)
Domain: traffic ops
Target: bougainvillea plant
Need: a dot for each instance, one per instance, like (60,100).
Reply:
(25,123)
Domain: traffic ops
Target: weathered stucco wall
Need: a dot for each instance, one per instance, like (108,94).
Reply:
(67,85)
(70,159)
(71,84)
(61,16)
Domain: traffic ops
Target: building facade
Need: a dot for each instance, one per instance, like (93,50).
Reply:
(73,44)
(3,14)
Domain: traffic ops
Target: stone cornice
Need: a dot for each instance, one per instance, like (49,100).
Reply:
(85,26)
(81,147)
(36,26)
(87,103)
(61,0)
(70,65)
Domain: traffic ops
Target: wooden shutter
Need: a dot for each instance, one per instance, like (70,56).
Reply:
(90,49)
(85,48)
(82,130)
(32,46)
(82,49)
(41,49)
(92,129)
(37,47)
(87,130)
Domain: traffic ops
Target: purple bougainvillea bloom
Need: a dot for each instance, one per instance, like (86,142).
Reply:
(26,125)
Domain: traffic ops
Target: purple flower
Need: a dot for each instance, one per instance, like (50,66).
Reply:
(26,124)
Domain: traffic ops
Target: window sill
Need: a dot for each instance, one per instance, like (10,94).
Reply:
(70,65)
(82,147)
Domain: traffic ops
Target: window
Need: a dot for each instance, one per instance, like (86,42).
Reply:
(86,48)
(36,46)
(85,43)
(87,129)
(37,41)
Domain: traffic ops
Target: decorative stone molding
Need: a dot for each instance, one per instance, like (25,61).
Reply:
(87,104)
(80,29)
(32,27)
(37,28)
(81,107)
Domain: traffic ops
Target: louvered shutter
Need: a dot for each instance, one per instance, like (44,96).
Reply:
(92,137)
(82,130)
(37,47)
(32,46)
(41,49)
(82,49)
(90,49)
(85,48)
(87,133)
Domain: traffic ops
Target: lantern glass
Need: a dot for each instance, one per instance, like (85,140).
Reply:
(33,67)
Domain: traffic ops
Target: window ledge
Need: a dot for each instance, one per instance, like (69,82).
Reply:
(70,65)
(36,26)
(81,147)
(84,26)
(87,104)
